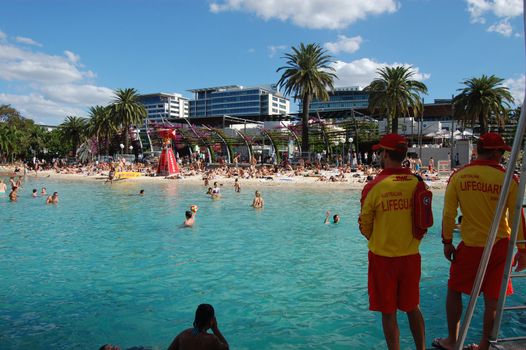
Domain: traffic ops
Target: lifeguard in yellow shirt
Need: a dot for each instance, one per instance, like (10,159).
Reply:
(475,188)
(394,259)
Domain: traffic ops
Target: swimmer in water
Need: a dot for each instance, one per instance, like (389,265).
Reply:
(13,194)
(237,187)
(43,191)
(258,201)
(189,218)
(3,186)
(35,193)
(141,193)
(335,218)
(52,199)
(216,191)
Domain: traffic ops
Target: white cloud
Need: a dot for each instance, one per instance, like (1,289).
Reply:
(516,87)
(503,28)
(49,87)
(504,9)
(40,109)
(72,57)
(2,35)
(361,72)
(274,49)
(317,14)
(28,41)
(84,95)
(21,64)
(500,8)
(344,44)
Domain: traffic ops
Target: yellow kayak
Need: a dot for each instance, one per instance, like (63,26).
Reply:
(126,174)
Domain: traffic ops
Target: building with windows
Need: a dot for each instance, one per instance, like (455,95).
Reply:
(165,107)
(235,100)
(342,98)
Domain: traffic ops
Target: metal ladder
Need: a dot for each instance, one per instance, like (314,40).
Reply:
(503,343)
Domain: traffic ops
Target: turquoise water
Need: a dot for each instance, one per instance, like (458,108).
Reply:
(105,265)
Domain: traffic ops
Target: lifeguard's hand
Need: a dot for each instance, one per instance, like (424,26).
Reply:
(519,261)
(450,251)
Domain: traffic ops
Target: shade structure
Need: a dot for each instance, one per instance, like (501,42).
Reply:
(167,163)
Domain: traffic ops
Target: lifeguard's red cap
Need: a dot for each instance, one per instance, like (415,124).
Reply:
(392,142)
(492,140)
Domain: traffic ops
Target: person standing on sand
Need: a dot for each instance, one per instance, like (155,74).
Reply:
(197,338)
(237,186)
(394,260)
(476,188)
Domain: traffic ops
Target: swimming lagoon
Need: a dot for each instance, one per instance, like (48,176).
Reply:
(108,266)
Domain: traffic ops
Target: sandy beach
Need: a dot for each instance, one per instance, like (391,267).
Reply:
(308,182)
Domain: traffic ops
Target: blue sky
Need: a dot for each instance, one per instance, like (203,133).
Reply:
(58,57)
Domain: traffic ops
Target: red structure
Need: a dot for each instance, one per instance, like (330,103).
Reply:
(167,163)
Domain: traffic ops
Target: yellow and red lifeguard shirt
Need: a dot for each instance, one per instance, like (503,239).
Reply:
(385,216)
(476,188)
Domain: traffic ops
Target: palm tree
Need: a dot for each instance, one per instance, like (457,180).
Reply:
(395,94)
(307,76)
(101,124)
(73,130)
(127,110)
(481,99)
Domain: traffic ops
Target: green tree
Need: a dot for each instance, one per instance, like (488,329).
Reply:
(396,94)
(126,110)
(101,125)
(481,99)
(307,75)
(73,131)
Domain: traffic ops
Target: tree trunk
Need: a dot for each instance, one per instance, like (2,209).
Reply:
(394,124)
(305,124)
(482,123)
(126,137)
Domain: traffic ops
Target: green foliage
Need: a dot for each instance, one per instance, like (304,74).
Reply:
(396,94)
(73,132)
(483,99)
(307,76)
(126,110)
(101,125)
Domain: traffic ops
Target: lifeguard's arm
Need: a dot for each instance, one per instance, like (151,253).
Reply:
(450,212)
(366,218)
(512,198)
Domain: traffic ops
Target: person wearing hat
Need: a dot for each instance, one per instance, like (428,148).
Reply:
(394,259)
(475,188)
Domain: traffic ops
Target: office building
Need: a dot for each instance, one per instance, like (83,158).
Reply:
(342,98)
(163,107)
(235,100)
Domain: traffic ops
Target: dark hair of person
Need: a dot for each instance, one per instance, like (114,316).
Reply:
(396,156)
(203,316)
(334,217)
(188,214)
(103,347)
(35,190)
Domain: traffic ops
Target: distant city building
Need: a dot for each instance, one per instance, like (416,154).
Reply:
(342,98)
(165,107)
(235,100)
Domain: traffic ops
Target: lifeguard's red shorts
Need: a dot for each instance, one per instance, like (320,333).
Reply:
(464,269)
(394,283)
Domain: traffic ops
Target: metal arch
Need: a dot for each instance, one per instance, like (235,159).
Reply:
(276,151)
(200,138)
(249,147)
(298,143)
(228,153)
